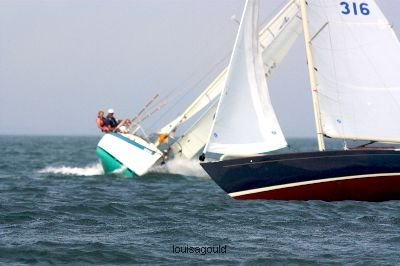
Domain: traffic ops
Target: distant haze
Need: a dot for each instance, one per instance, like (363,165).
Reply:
(62,61)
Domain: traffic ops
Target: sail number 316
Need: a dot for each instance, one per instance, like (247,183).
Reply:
(355,8)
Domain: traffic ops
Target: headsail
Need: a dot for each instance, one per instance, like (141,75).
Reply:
(276,39)
(245,121)
(356,60)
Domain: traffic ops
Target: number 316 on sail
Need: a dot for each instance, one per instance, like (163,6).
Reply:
(355,8)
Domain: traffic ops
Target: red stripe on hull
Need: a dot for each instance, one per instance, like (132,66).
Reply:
(362,189)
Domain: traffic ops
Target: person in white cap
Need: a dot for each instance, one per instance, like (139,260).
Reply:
(111,119)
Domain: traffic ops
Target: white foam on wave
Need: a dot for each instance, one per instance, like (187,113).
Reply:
(90,170)
(181,167)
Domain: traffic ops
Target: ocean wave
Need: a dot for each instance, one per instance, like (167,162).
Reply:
(89,170)
(181,167)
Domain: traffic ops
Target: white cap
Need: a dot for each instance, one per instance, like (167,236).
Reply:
(110,111)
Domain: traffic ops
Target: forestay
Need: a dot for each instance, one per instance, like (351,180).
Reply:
(245,121)
(357,60)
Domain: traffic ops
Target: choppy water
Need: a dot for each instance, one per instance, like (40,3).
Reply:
(57,207)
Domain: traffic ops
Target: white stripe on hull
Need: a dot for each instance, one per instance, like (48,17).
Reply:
(297,184)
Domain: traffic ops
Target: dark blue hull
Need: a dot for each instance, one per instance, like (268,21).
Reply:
(367,175)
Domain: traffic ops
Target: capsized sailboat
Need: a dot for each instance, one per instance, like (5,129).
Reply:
(353,57)
(128,150)
(134,154)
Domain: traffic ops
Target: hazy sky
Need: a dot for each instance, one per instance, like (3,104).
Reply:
(62,61)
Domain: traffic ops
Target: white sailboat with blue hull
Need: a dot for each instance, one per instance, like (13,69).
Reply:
(353,59)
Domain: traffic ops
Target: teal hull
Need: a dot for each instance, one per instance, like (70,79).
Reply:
(112,165)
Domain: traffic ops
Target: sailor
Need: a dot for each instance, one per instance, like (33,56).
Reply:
(125,126)
(111,119)
(101,122)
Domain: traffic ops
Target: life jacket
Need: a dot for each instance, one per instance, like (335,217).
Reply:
(101,124)
(105,121)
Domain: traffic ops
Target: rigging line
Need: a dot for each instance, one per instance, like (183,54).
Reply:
(165,98)
(212,69)
(138,115)
(265,21)
(366,144)
(319,31)
(181,84)
(150,113)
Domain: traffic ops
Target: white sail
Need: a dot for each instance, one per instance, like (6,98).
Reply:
(356,59)
(245,121)
(276,38)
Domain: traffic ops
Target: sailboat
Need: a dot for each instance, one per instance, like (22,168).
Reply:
(353,57)
(134,154)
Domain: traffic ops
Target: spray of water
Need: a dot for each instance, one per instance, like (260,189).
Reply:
(176,166)
(181,167)
(90,170)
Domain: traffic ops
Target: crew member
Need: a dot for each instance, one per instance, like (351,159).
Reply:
(102,122)
(112,122)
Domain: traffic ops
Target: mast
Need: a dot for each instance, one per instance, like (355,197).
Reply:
(311,72)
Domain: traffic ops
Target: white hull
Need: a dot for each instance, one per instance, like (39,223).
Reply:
(129,151)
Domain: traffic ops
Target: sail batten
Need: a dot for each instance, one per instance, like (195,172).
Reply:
(357,57)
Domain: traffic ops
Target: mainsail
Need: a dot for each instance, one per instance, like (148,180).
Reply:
(356,61)
(245,121)
(276,39)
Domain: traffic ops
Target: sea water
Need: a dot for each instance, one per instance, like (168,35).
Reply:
(57,207)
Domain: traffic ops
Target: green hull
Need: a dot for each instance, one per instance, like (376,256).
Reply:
(112,165)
